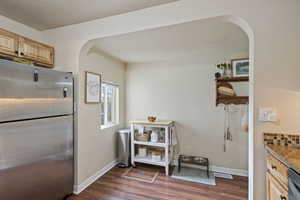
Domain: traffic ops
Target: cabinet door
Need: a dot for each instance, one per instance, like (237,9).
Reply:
(28,48)
(277,169)
(8,43)
(46,54)
(36,51)
(275,191)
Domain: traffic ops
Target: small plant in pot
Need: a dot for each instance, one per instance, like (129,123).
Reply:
(226,69)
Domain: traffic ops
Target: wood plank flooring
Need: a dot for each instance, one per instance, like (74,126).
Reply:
(114,187)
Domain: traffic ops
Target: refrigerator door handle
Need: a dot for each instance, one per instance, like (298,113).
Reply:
(35,75)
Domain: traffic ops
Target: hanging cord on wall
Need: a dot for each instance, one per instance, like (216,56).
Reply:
(227,133)
(225,127)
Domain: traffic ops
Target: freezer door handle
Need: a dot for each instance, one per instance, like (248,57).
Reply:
(35,75)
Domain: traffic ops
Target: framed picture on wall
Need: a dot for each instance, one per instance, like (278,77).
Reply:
(92,87)
(240,67)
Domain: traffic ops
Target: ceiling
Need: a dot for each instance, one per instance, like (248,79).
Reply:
(47,14)
(196,41)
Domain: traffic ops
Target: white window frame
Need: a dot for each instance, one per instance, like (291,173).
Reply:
(115,106)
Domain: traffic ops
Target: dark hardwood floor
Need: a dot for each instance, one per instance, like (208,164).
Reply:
(114,187)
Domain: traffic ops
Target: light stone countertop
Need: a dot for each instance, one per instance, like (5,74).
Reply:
(289,155)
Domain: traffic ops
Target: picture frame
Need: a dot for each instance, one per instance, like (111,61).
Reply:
(92,88)
(240,67)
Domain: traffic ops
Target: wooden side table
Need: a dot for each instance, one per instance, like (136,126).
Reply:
(195,160)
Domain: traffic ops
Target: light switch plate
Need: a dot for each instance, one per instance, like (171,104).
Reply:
(268,115)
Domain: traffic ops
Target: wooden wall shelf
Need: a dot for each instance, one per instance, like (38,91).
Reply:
(233,100)
(226,100)
(233,79)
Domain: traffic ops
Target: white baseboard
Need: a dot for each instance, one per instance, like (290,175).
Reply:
(237,172)
(79,188)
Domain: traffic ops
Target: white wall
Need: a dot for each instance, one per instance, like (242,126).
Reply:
(185,93)
(273,28)
(96,148)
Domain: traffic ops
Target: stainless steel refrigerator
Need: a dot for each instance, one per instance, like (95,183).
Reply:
(36,133)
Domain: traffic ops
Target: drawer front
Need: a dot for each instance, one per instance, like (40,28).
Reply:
(275,191)
(277,169)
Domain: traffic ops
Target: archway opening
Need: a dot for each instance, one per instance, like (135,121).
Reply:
(147,60)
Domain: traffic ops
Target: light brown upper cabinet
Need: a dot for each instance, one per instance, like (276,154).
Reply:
(8,43)
(14,45)
(36,51)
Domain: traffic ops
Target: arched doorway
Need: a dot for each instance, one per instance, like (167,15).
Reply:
(245,27)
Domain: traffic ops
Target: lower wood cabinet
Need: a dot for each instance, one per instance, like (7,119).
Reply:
(277,169)
(277,179)
(275,191)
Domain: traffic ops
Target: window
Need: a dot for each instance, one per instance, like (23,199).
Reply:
(109,115)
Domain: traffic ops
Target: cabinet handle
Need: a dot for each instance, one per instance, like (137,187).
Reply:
(282,197)
(274,167)
(22,54)
(16,52)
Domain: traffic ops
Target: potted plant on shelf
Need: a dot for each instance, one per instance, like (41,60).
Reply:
(226,69)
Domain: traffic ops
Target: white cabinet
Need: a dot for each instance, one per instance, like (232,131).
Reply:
(168,129)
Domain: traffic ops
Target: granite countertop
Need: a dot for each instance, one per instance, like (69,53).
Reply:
(289,155)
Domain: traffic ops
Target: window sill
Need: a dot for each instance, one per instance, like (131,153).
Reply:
(108,126)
